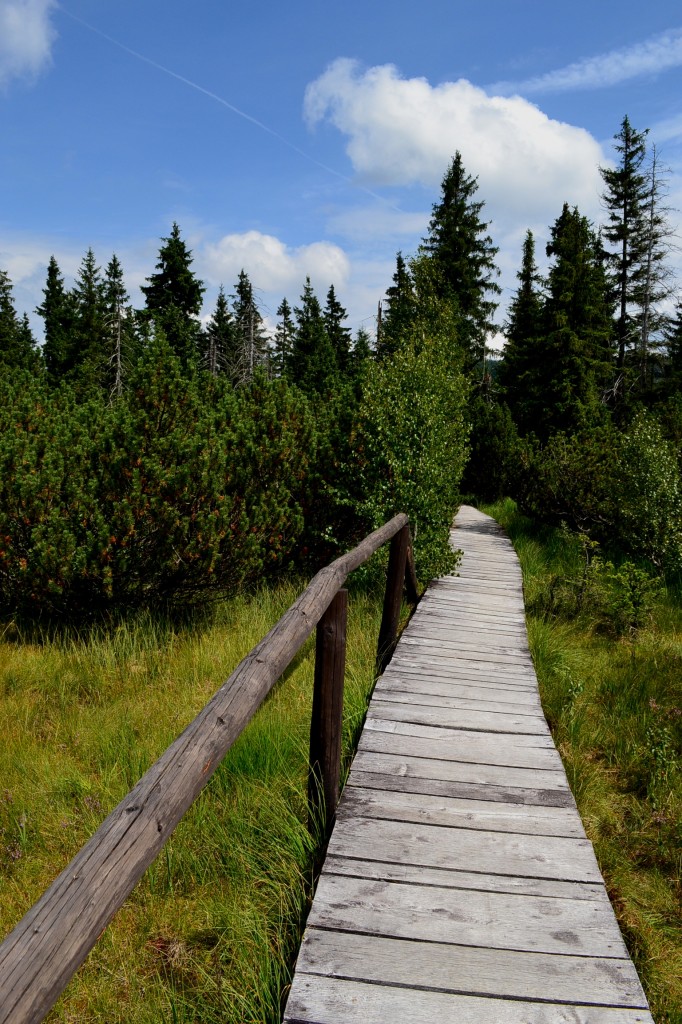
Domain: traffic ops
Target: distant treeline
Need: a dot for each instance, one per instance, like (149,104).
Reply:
(146,457)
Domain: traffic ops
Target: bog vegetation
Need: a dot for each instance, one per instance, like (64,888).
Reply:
(150,464)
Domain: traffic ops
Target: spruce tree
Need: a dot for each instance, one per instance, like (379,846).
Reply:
(400,310)
(122,343)
(283,340)
(523,330)
(313,362)
(17,345)
(625,200)
(673,338)
(360,357)
(89,333)
(251,349)
(220,338)
(339,336)
(174,295)
(58,313)
(656,282)
(575,363)
(463,253)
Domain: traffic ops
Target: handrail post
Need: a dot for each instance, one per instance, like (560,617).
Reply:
(327,714)
(411,583)
(395,579)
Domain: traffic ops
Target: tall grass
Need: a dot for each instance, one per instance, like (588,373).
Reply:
(211,931)
(612,692)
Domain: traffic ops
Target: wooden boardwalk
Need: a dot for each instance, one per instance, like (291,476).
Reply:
(459,885)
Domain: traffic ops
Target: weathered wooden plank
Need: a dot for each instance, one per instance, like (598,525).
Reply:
(454,655)
(460,878)
(492,920)
(465,739)
(480,691)
(496,590)
(462,969)
(438,846)
(315,1000)
(438,623)
(403,766)
(454,627)
(487,816)
(461,668)
(396,696)
(472,648)
(454,674)
(433,617)
(533,796)
(488,609)
(476,673)
(475,748)
(486,721)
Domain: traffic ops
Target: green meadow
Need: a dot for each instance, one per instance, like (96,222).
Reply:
(211,931)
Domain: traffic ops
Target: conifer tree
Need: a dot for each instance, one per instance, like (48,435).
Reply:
(174,295)
(523,331)
(360,358)
(656,282)
(400,310)
(17,345)
(463,253)
(339,336)
(251,349)
(283,340)
(122,343)
(625,200)
(313,362)
(673,339)
(575,362)
(221,350)
(58,313)
(90,330)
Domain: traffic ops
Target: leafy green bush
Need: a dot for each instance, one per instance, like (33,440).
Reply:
(619,488)
(411,446)
(649,495)
(570,479)
(184,488)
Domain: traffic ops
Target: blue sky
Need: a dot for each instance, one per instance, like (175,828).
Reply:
(307,138)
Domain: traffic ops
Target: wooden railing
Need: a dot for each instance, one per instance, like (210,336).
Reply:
(41,955)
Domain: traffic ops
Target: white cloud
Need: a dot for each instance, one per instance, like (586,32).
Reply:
(669,130)
(272,265)
(26,37)
(382,224)
(659,53)
(403,131)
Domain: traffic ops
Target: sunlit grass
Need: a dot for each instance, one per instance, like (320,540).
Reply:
(211,931)
(614,704)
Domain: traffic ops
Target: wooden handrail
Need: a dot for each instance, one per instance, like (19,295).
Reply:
(46,948)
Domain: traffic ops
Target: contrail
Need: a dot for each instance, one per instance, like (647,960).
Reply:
(230,106)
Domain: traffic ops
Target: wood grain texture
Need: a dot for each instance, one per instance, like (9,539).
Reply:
(485,815)
(450,968)
(318,1000)
(437,846)
(459,884)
